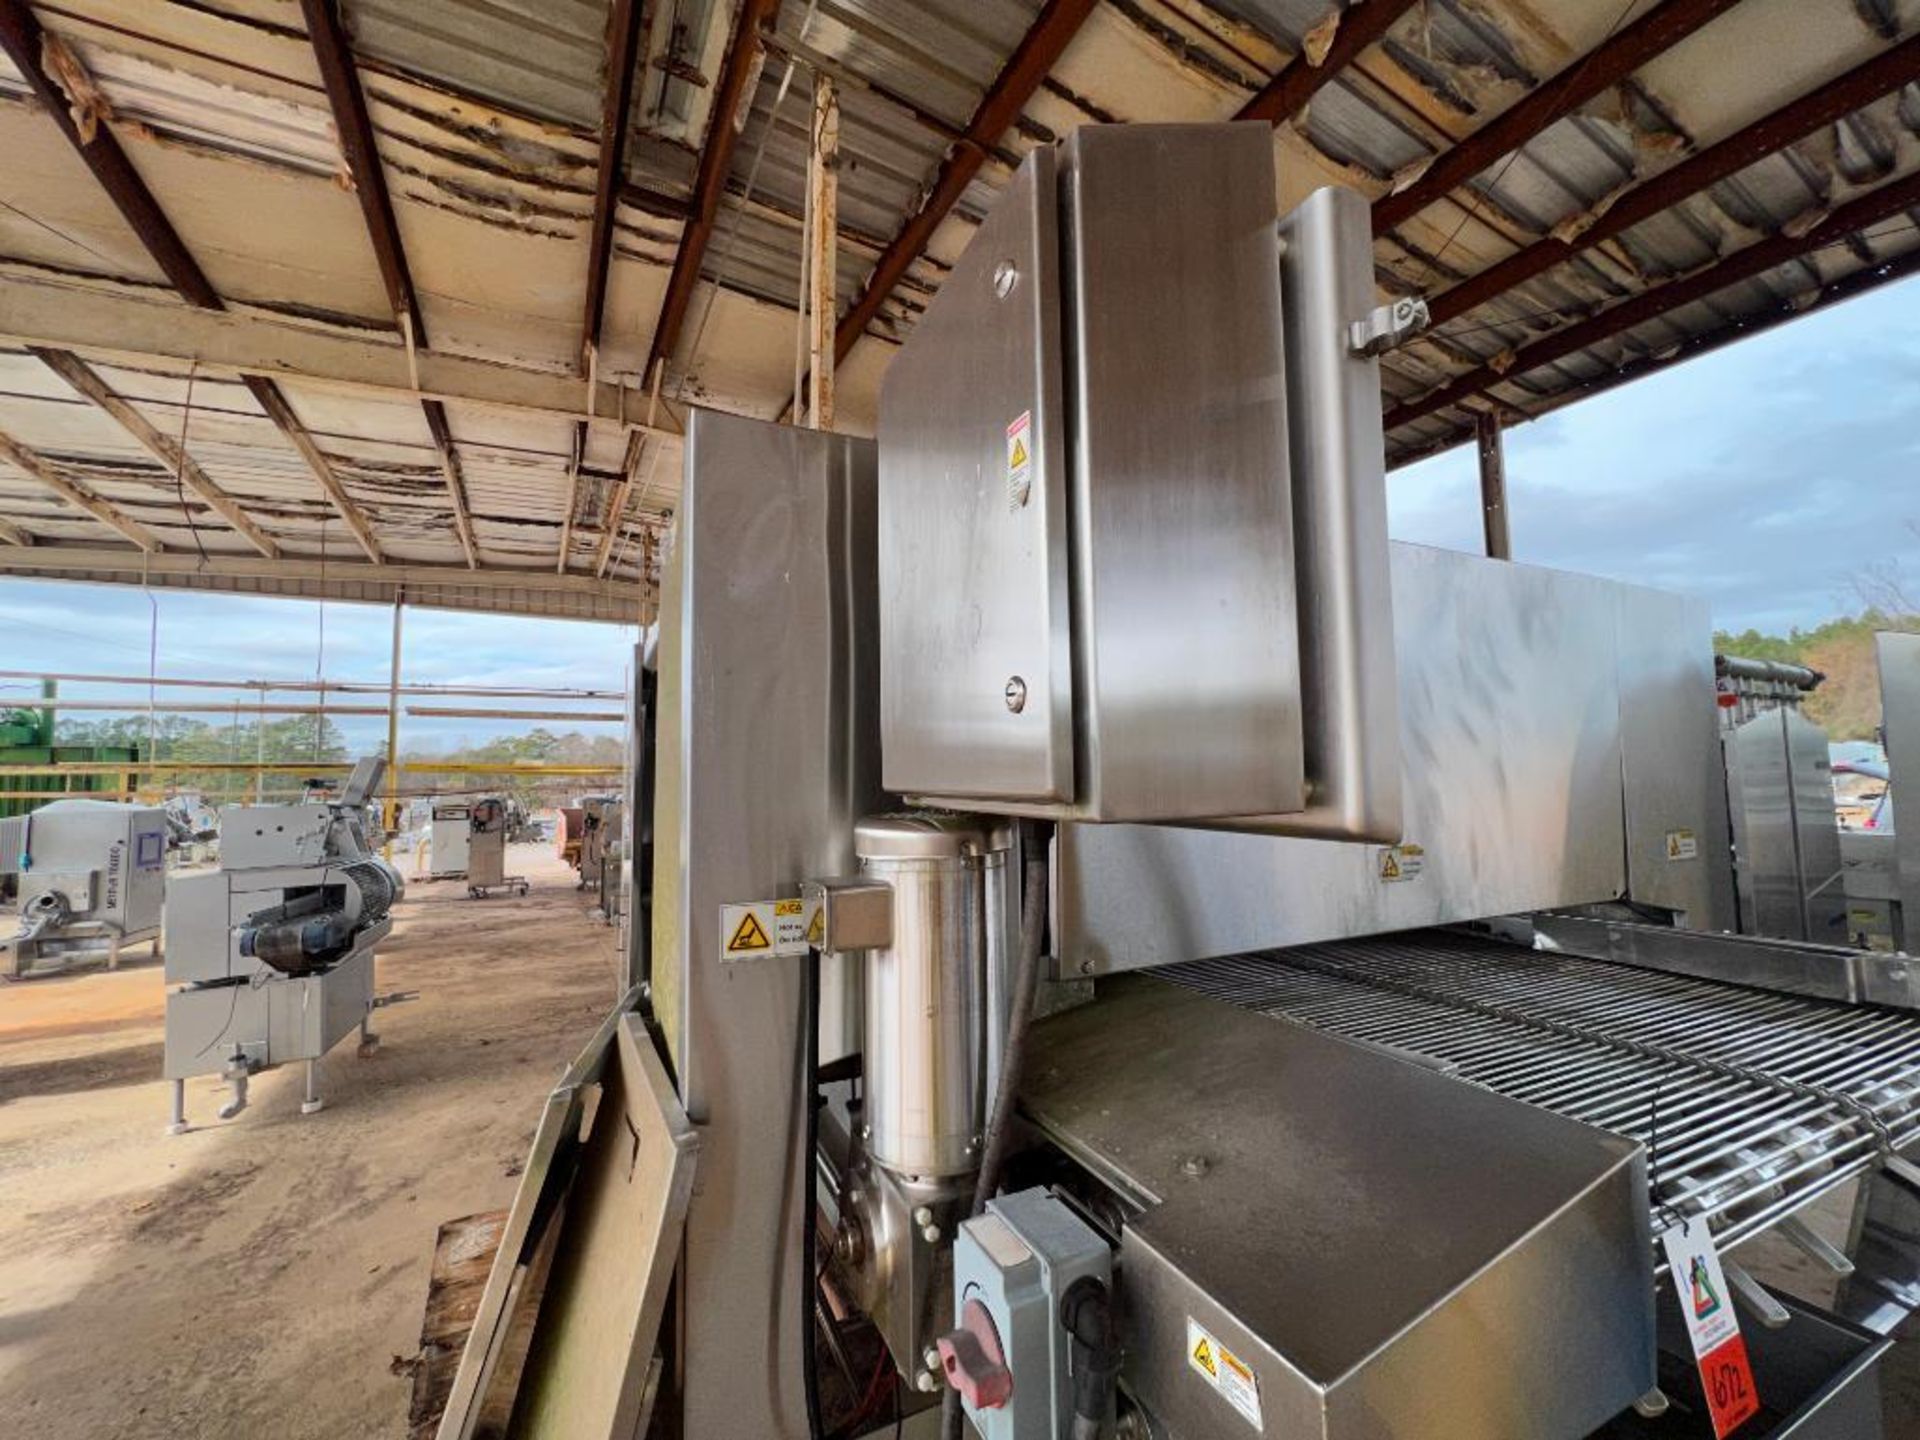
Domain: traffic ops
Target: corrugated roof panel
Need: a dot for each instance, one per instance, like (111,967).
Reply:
(544,58)
(940,55)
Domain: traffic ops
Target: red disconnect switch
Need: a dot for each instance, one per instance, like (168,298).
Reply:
(973,1361)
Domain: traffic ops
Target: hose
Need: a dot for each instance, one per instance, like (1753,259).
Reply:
(1035,842)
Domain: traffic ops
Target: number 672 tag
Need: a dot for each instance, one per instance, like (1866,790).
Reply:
(1707,1307)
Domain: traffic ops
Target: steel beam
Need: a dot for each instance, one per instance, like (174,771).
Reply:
(113,325)
(358,145)
(12,534)
(1493,487)
(1829,104)
(79,496)
(626,42)
(164,448)
(710,181)
(421,580)
(267,395)
(617,510)
(1287,94)
(1031,62)
(23,40)
(1848,287)
(1653,34)
(1756,259)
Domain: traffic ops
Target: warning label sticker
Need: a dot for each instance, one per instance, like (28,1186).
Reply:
(765,928)
(1401,862)
(1020,460)
(1226,1372)
(1681,845)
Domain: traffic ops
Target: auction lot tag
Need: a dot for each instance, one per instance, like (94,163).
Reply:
(1707,1306)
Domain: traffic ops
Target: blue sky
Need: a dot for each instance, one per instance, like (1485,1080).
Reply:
(1765,477)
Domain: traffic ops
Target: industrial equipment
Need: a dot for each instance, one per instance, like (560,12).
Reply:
(601,819)
(450,840)
(273,953)
(489,821)
(92,879)
(1018,773)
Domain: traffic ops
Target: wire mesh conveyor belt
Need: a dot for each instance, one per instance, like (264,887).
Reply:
(1750,1103)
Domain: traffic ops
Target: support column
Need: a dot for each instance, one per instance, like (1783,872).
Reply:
(393,718)
(1493,485)
(823,175)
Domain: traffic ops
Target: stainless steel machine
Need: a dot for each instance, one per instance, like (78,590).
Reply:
(273,953)
(1103,900)
(449,840)
(93,879)
(489,822)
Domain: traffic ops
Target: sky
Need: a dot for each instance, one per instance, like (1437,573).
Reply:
(1766,477)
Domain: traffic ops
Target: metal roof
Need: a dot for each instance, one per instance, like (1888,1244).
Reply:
(1586,190)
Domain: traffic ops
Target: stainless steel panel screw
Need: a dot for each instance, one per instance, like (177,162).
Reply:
(1005,276)
(1016,694)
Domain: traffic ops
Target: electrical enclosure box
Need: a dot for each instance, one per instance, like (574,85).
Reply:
(1087,603)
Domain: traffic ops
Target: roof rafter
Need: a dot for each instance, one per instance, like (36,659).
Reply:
(1029,65)
(340,78)
(627,27)
(724,123)
(23,40)
(12,534)
(1653,34)
(42,470)
(1792,122)
(267,395)
(1848,287)
(1745,264)
(88,383)
(1300,80)
(616,517)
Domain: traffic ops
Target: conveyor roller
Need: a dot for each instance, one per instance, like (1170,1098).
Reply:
(1751,1104)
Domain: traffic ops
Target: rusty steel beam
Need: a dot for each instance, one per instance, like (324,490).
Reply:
(1755,259)
(1827,105)
(267,395)
(1653,34)
(88,383)
(340,78)
(38,468)
(710,180)
(1848,287)
(1031,62)
(626,40)
(22,38)
(1287,94)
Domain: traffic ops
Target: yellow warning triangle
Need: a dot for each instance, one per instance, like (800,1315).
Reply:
(1389,867)
(749,934)
(817,927)
(1203,1356)
(1019,455)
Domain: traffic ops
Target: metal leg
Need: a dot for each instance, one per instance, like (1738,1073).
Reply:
(313,1104)
(369,1039)
(236,1074)
(177,1124)
(113,953)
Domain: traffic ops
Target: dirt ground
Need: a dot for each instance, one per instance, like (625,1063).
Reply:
(265,1276)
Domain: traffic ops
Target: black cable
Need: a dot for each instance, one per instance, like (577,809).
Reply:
(810,1099)
(1035,838)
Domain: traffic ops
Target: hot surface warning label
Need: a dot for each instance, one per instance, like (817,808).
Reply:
(1230,1376)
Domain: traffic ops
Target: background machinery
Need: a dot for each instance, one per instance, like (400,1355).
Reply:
(489,823)
(92,881)
(1016,772)
(273,953)
(449,840)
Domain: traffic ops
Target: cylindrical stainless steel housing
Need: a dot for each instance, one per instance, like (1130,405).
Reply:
(936,999)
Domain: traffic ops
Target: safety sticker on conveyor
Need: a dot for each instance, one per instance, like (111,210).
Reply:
(1402,862)
(764,928)
(1225,1371)
(1020,460)
(1681,845)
